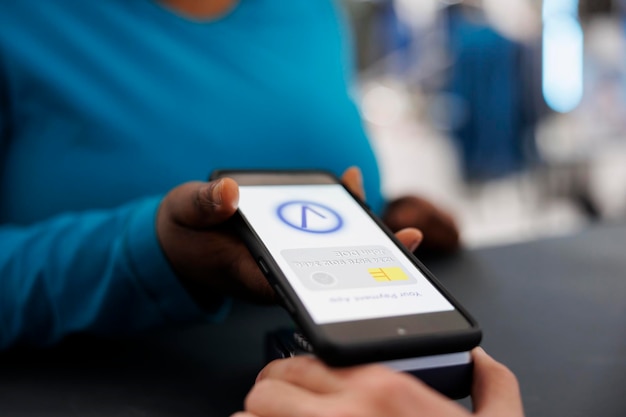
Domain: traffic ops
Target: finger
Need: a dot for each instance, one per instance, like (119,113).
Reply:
(276,398)
(399,394)
(200,205)
(305,372)
(353,179)
(410,237)
(495,391)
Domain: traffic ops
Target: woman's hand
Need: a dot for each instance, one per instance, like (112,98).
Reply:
(304,386)
(206,255)
(441,234)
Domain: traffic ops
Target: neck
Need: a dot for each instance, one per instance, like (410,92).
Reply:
(201,9)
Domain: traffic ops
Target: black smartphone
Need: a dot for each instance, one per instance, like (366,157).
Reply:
(354,290)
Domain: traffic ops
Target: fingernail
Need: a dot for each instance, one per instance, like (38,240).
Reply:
(415,244)
(479,351)
(216,192)
(259,377)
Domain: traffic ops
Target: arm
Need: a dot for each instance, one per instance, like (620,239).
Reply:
(118,271)
(99,271)
(305,386)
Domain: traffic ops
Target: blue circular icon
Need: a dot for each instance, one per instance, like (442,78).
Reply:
(308,216)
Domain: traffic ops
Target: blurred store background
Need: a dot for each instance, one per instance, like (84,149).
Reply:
(511,114)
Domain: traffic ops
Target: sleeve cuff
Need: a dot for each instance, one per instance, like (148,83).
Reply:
(154,274)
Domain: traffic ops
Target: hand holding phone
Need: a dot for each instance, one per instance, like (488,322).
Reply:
(355,291)
(208,258)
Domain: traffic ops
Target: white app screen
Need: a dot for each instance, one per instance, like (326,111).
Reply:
(340,263)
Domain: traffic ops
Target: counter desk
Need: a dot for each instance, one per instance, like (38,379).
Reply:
(553,310)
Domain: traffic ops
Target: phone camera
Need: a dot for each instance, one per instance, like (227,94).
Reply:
(324,278)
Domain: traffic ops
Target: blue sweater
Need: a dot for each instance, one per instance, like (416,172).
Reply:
(106,105)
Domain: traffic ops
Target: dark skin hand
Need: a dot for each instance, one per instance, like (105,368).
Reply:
(441,234)
(203,251)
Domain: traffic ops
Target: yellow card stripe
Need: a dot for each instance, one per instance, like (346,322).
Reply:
(388,274)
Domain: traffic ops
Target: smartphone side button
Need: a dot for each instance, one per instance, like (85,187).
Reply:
(262,266)
(281,295)
(284,300)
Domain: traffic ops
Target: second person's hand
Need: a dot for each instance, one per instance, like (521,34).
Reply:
(304,386)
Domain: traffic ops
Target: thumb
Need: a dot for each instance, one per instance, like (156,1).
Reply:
(495,391)
(353,179)
(201,204)
(410,237)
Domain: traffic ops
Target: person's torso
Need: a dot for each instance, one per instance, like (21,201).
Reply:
(104,102)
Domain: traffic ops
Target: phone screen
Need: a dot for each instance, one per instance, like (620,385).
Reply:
(339,262)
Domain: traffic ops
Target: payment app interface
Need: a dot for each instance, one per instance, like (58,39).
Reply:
(338,261)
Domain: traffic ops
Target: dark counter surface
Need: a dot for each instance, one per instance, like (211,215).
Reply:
(553,310)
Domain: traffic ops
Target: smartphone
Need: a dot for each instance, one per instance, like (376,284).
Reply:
(353,289)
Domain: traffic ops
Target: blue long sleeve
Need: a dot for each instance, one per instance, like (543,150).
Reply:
(106,105)
(100,270)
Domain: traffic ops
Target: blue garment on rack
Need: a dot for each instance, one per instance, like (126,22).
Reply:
(486,76)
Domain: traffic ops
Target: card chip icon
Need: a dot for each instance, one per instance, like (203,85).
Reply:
(388,274)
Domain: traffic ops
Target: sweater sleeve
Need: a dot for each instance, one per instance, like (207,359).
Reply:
(101,272)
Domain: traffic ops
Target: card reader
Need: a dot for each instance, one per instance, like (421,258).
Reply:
(450,374)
